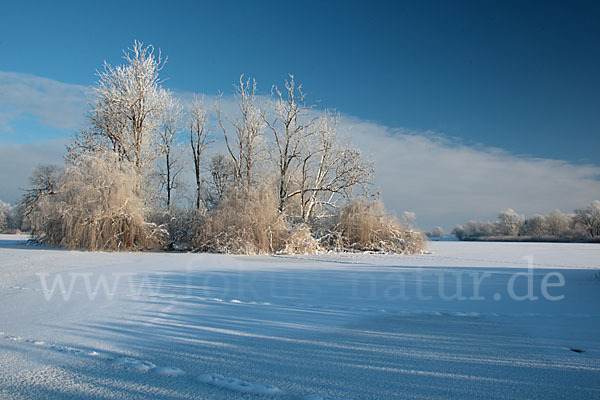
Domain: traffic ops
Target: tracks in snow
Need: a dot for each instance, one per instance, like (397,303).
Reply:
(144,366)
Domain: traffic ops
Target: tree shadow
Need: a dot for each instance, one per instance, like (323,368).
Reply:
(23,242)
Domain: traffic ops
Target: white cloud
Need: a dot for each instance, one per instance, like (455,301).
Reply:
(17,161)
(56,104)
(443,181)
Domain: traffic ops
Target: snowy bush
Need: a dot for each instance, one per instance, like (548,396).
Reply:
(249,222)
(301,241)
(181,225)
(95,207)
(246,221)
(365,226)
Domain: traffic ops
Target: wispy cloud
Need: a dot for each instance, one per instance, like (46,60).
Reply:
(56,104)
(442,180)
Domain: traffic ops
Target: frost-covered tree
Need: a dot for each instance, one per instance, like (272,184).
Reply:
(316,167)
(171,167)
(5,210)
(331,169)
(459,232)
(291,124)
(474,229)
(244,145)
(589,219)
(222,174)
(557,223)
(43,183)
(125,116)
(16,218)
(199,142)
(510,223)
(436,232)
(536,226)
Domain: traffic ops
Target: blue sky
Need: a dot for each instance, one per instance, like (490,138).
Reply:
(519,77)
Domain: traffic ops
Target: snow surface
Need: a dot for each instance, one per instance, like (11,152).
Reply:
(330,327)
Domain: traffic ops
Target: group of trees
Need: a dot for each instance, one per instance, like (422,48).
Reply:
(582,225)
(436,232)
(12,218)
(287,178)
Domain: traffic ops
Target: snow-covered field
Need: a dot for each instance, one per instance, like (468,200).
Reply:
(198,326)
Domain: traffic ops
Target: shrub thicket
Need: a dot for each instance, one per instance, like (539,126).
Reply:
(249,222)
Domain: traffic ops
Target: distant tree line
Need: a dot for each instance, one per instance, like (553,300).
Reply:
(12,219)
(287,180)
(581,225)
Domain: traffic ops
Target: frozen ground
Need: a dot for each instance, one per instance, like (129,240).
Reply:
(196,326)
